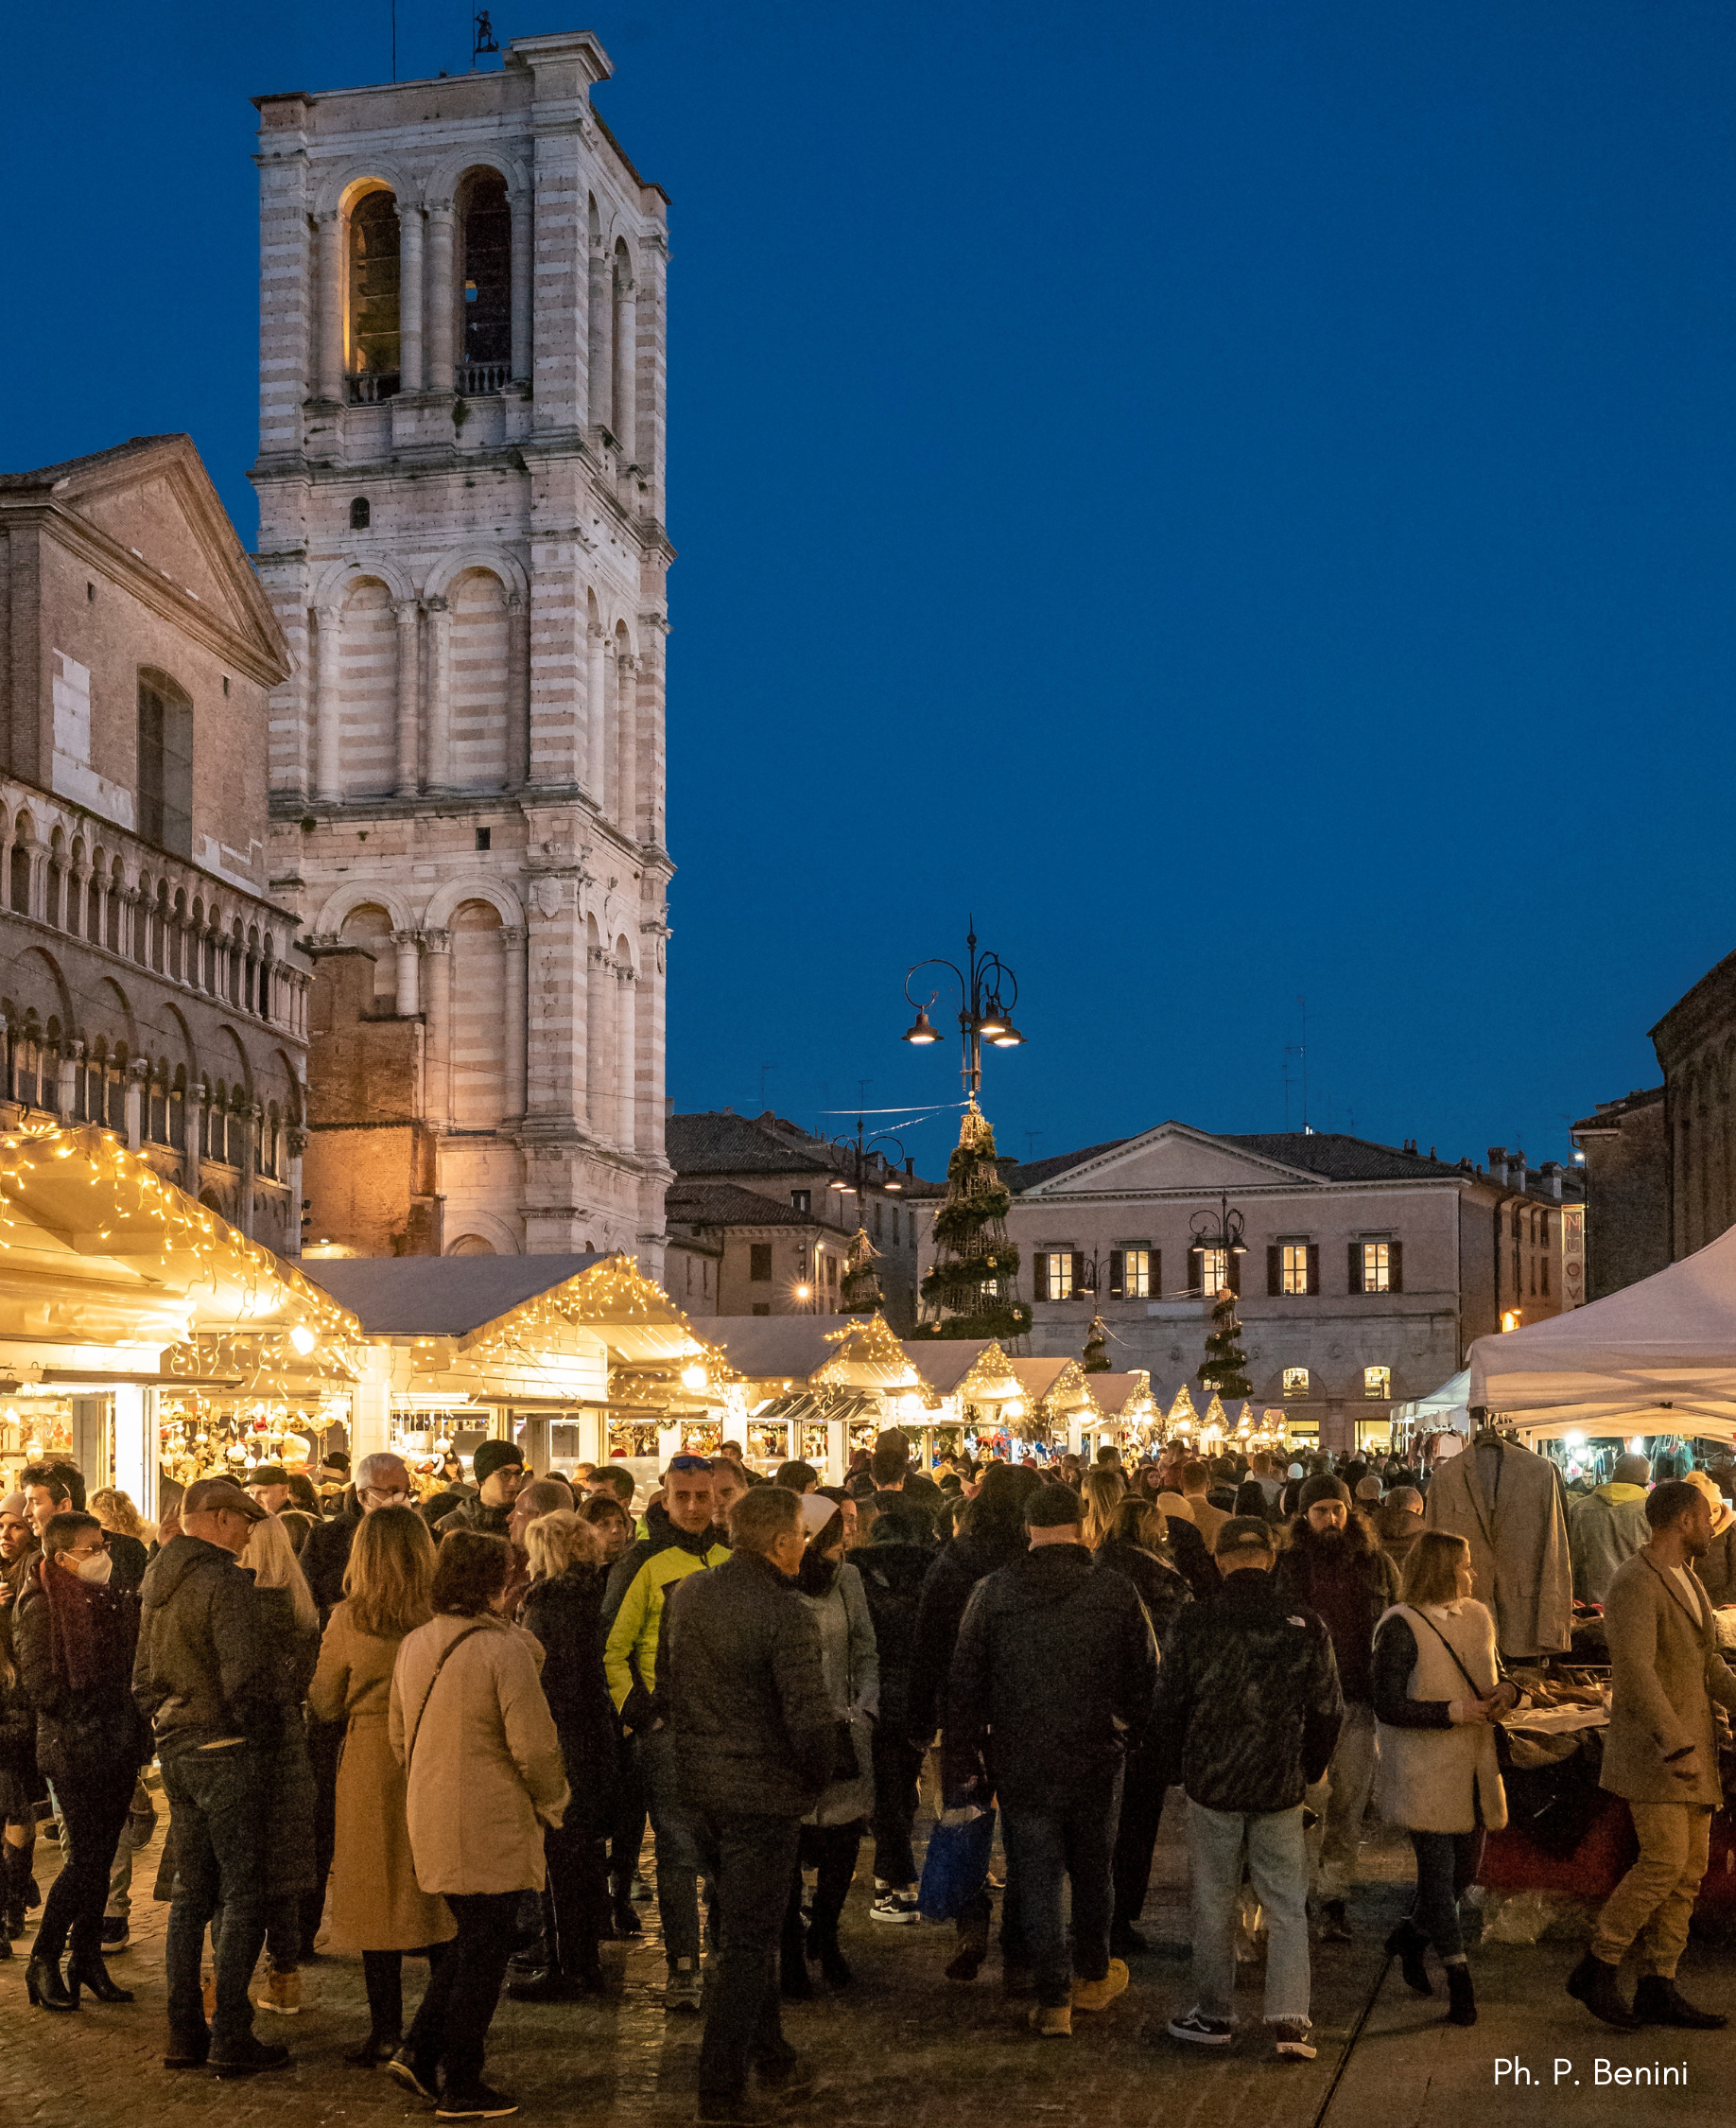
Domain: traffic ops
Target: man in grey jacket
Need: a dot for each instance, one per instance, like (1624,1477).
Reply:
(740,1686)
(204,1680)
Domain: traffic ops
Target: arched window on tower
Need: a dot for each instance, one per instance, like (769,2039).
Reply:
(487,285)
(361,514)
(373,350)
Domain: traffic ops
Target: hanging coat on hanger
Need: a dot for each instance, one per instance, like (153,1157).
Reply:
(1518,1544)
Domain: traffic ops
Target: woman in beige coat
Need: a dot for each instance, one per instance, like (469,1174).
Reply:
(377,1907)
(1437,1688)
(482,1763)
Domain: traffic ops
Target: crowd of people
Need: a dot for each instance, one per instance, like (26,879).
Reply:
(429,1733)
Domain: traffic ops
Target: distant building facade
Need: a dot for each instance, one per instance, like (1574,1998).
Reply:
(1367,1271)
(148,981)
(1627,1149)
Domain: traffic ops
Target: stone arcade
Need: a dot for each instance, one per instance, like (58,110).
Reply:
(460,481)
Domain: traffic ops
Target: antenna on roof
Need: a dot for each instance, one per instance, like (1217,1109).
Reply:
(395,40)
(483,35)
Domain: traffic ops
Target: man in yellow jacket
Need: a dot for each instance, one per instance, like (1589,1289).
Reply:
(682,1541)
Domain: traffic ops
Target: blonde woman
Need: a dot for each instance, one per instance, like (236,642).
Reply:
(1103,1491)
(292,1628)
(377,1907)
(1437,1689)
(130,1537)
(563,1607)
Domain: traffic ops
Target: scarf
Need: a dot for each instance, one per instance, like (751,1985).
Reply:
(93,1632)
(816,1574)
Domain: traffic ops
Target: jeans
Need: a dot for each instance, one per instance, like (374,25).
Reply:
(897,1763)
(135,1833)
(1074,1840)
(383,1977)
(1446,1867)
(217,1820)
(1135,1837)
(749,1859)
(92,1810)
(464,1990)
(1341,1798)
(678,1862)
(1655,1900)
(1272,1845)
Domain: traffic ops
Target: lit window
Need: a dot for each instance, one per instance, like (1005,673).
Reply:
(1058,1275)
(1376,1381)
(1296,1383)
(1509,1319)
(1292,1266)
(1377,1267)
(1214,1271)
(1137,1273)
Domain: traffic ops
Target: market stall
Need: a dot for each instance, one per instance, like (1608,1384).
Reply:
(1128,1412)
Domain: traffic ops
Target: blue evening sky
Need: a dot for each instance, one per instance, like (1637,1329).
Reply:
(1239,494)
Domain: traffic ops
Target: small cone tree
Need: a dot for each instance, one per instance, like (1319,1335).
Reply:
(969,1291)
(1095,1359)
(859,1295)
(1224,1368)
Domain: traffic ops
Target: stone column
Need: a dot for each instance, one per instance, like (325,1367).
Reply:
(512,946)
(331,233)
(626,744)
(439,694)
(406,1004)
(520,207)
(198,1095)
(593,767)
(66,1090)
(328,777)
(601,407)
(295,1140)
(599,1038)
(249,1118)
(518,692)
(625,1105)
(138,1081)
(441,273)
(409,723)
(39,884)
(409,298)
(438,1099)
(627,386)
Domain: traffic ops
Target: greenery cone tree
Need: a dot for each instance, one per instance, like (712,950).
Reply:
(1224,1368)
(971,1290)
(1095,1359)
(860,1294)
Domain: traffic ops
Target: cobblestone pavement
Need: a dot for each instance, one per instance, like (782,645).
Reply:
(903,2047)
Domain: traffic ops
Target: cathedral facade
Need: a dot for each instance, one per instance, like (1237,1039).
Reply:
(460,481)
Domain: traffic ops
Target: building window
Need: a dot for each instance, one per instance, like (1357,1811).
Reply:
(759,1262)
(1135,1274)
(802,1200)
(1544,1276)
(488,275)
(1292,1267)
(485,837)
(361,513)
(1296,1382)
(166,764)
(1376,1381)
(1377,1267)
(895,1226)
(373,296)
(1055,1274)
(879,1210)
(1214,1271)
(1543,1228)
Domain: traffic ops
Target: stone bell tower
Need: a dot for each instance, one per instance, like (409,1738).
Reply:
(460,483)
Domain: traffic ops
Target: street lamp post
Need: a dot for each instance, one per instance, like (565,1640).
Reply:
(1220,1231)
(984,1013)
(859,1152)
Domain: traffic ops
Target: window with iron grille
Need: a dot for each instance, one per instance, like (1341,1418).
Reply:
(1376,1381)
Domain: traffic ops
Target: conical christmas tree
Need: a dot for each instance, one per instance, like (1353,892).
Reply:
(1095,1358)
(1224,1368)
(969,1292)
(859,1295)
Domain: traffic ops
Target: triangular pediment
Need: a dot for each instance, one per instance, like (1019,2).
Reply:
(155,503)
(1174,1156)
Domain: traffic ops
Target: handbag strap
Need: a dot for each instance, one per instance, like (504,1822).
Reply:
(458,1640)
(1477,1691)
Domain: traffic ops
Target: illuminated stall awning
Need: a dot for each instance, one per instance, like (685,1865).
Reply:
(1125,1399)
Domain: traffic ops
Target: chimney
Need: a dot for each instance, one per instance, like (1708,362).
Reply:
(668,1104)
(1518,1171)
(910,1166)
(1498,1164)
(1548,1177)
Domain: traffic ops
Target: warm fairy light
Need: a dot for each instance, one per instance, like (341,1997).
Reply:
(302,1339)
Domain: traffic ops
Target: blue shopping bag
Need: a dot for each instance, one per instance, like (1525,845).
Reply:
(956,1866)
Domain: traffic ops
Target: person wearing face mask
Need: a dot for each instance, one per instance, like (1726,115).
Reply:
(832,1833)
(74,1635)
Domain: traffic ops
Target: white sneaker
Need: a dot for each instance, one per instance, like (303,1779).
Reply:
(685,1988)
(893,1907)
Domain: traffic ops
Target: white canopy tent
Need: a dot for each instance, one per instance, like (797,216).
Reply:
(1658,1357)
(1449,1406)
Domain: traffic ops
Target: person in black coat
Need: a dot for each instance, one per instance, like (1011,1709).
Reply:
(75,1637)
(1055,1666)
(893,1567)
(563,1607)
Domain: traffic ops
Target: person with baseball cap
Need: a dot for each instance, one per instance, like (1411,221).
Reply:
(1248,1711)
(205,1679)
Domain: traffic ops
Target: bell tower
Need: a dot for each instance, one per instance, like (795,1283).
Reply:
(461,483)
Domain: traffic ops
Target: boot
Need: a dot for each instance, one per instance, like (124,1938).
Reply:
(973,1947)
(1658,2002)
(548,1985)
(625,1920)
(822,1946)
(85,1969)
(45,1988)
(1461,1997)
(1407,1943)
(1595,1983)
